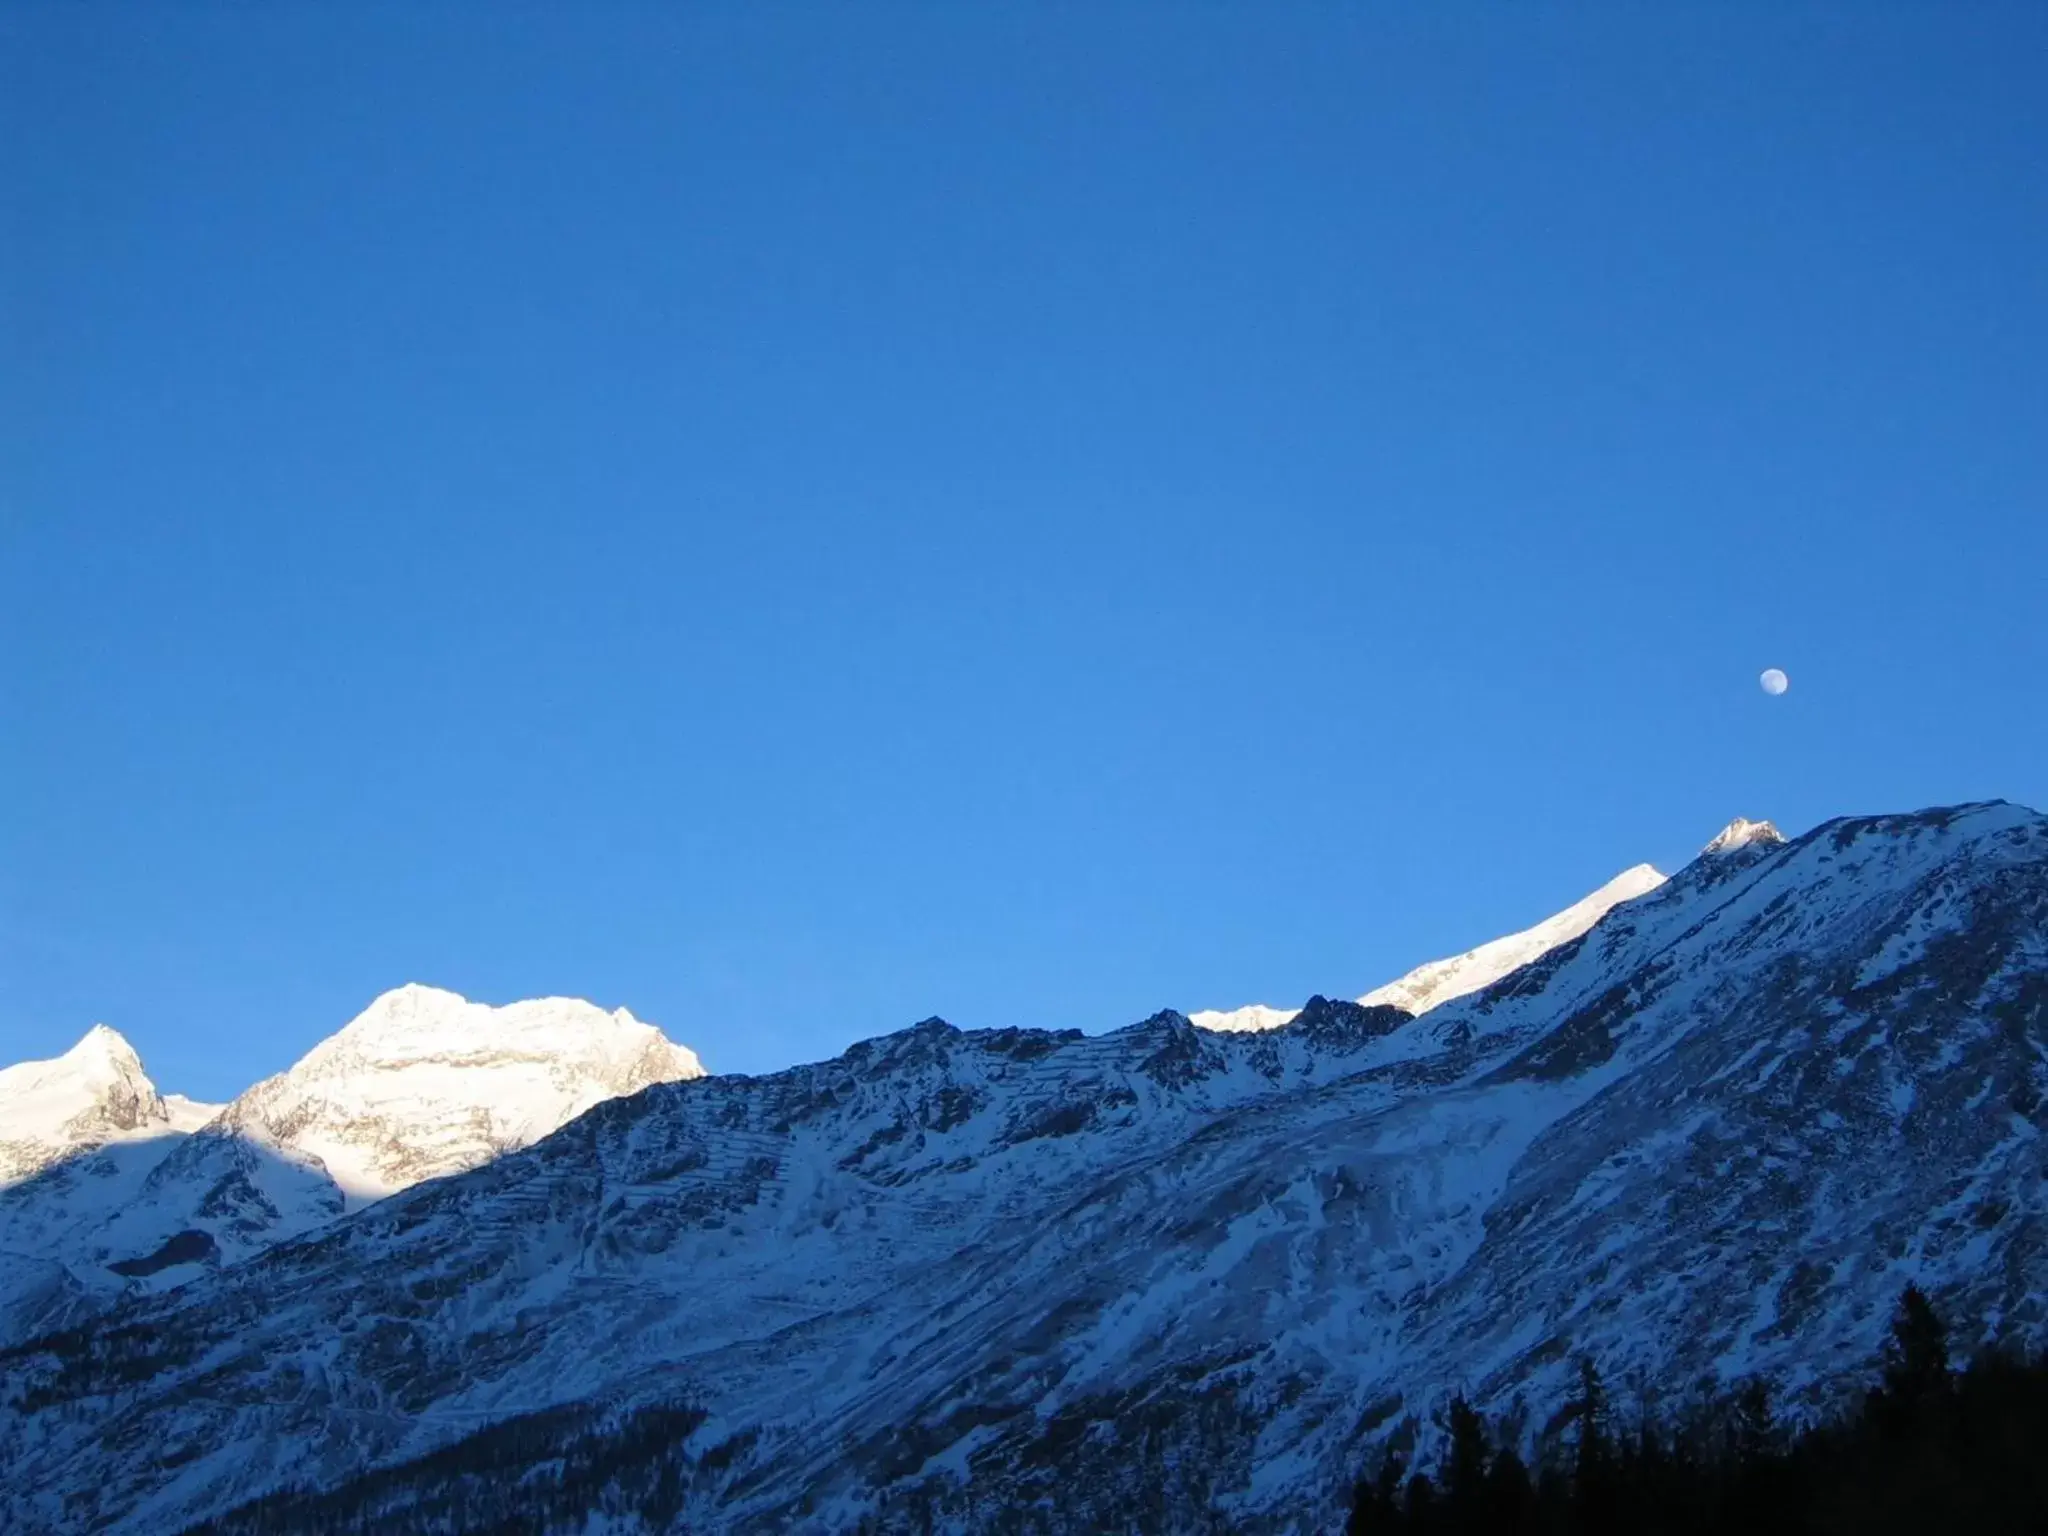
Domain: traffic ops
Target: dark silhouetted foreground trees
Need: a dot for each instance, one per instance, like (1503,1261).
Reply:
(1928,1450)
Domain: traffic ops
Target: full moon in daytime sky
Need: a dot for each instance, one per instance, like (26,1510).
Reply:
(1773,681)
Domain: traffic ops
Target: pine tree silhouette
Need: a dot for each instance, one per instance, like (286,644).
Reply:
(1593,1491)
(1466,1461)
(1916,1370)
(1375,1502)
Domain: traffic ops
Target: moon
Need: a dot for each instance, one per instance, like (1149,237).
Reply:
(1773,681)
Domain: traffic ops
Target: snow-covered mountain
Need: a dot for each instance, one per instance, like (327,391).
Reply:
(1163,1278)
(78,1135)
(421,1084)
(95,1093)
(1439,981)
(1744,833)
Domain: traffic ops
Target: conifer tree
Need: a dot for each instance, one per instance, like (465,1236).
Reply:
(1916,1369)
(1592,1451)
(1375,1502)
(1593,1456)
(1465,1462)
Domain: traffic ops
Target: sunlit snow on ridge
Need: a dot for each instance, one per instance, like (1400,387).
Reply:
(1439,981)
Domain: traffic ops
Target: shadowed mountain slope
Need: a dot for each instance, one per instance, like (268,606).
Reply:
(1160,1278)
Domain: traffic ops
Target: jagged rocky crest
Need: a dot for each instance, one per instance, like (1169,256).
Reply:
(1743,833)
(1164,1278)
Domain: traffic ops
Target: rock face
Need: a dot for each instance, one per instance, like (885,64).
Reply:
(1439,981)
(1162,1279)
(420,1085)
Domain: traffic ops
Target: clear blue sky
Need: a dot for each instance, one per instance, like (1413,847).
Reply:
(792,523)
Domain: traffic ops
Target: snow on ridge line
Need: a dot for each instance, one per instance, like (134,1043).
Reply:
(1440,981)
(189,1115)
(415,1022)
(1252,1017)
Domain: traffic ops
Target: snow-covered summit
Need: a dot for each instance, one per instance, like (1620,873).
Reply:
(1439,981)
(103,1046)
(424,1082)
(416,1030)
(1744,833)
(94,1093)
(140,1189)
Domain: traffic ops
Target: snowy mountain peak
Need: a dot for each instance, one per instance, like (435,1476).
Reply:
(104,1047)
(1744,833)
(136,1188)
(417,1025)
(424,1083)
(412,998)
(404,1011)
(95,1092)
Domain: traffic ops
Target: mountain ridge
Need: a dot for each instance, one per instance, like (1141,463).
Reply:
(949,1275)
(1440,981)
(143,1191)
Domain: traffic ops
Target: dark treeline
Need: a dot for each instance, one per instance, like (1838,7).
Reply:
(1928,1448)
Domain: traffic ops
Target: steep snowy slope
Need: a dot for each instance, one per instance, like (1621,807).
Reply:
(421,1084)
(1439,981)
(1165,1278)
